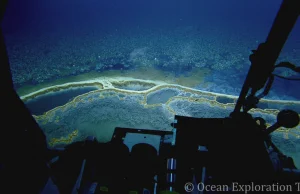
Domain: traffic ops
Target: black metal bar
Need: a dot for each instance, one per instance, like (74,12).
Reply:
(3,4)
(6,79)
(264,58)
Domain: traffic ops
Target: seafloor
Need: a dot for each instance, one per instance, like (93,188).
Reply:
(91,82)
(103,103)
(212,59)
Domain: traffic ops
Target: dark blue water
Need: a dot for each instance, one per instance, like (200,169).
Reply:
(47,102)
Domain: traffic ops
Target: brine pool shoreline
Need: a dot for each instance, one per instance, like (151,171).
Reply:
(96,106)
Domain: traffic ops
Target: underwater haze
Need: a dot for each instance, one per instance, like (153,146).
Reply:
(50,40)
(86,67)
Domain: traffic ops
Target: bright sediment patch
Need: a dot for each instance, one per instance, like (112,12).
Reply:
(133,85)
(136,103)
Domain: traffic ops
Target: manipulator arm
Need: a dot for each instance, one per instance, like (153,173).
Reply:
(263,59)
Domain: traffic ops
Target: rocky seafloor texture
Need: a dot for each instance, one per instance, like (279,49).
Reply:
(153,105)
(89,82)
(221,54)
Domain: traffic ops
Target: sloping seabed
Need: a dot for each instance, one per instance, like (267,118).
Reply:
(153,105)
